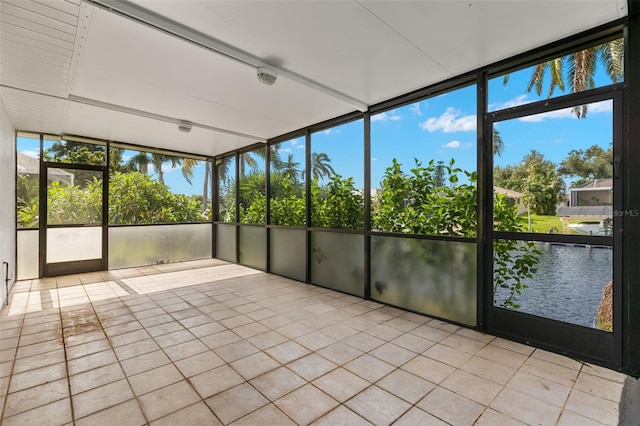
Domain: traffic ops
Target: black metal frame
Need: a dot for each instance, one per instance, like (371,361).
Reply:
(602,347)
(77,266)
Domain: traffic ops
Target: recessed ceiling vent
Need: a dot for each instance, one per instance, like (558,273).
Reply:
(267,76)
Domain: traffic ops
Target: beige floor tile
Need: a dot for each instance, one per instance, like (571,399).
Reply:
(100,398)
(251,329)
(123,328)
(493,418)
(136,349)
(95,378)
(267,340)
(472,387)
(416,416)
(235,351)
(236,321)
(217,340)
(43,336)
(593,407)
(315,340)
(525,408)
(39,348)
(164,328)
(413,343)
(267,415)
(447,355)
(512,346)
(378,406)
(341,384)
(557,359)
(363,341)
(185,350)
(475,335)
(599,386)
(236,402)
(90,362)
(405,385)
(538,387)
(605,373)
(144,362)
(197,414)
(306,404)
(287,352)
(154,379)
(216,380)
(462,343)
(393,354)
(451,407)
(78,339)
(254,365)
(311,366)
(554,372)
(567,418)
(199,363)
(19,402)
(506,357)
(126,413)
(167,400)
(341,416)
(430,333)
(55,413)
(429,369)
(490,370)
(369,368)
(277,383)
(38,361)
(340,353)
(174,338)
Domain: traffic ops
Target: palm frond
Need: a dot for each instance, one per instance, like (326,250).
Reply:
(612,58)
(537,78)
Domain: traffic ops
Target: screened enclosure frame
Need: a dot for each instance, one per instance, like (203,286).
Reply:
(627,356)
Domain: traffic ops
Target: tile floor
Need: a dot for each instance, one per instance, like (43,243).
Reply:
(208,343)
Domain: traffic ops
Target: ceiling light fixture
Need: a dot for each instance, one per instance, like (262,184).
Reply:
(267,76)
(184,126)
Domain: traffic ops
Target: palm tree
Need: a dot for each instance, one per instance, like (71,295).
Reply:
(141,162)
(580,67)
(498,143)
(320,166)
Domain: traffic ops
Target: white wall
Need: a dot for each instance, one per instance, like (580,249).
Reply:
(7,199)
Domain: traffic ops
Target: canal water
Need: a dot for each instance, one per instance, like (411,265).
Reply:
(569,283)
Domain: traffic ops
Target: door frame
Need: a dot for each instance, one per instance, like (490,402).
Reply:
(601,347)
(78,266)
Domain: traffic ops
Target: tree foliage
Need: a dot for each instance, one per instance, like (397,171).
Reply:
(420,202)
(589,164)
(537,178)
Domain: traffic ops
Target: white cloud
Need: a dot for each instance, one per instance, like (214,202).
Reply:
(595,108)
(294,142)
(450,121)
(386,116)
(374,159)
(415,108)
(518,100)
(285,150)
(457,144)
(30,153)
(331,131)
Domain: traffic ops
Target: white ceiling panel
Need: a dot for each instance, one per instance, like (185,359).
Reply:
(167,76)
(30,111)
(91,121)
(333,57)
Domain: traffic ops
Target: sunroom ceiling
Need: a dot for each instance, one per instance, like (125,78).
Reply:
(76,68)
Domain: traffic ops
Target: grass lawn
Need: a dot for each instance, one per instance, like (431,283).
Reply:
(543,224)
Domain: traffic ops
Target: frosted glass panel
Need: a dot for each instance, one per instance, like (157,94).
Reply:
(431,277)
(152,245)
(70,244)
(288,254)
(253,247)
(28,246)
(226,242)
(337,261)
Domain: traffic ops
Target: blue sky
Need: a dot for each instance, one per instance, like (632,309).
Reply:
(438,128)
